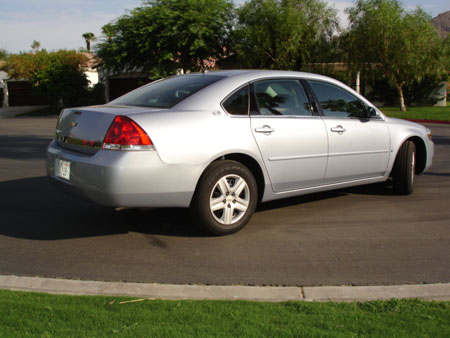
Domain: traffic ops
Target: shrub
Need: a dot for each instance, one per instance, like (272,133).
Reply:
(424,93)
(58,76)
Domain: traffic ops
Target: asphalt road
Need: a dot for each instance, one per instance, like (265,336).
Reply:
(358,236)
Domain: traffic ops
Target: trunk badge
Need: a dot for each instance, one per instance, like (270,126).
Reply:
(73,124)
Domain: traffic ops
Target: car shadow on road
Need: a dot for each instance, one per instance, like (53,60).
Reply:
(381,189)
(291,201)
(375,189)
(34,209)
(441,140)
(23,147)
(437,174)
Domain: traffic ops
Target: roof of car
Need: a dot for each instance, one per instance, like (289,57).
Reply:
(234,72)
(264,73)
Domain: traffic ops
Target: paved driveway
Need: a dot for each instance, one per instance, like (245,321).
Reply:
(14,111)
(362,236)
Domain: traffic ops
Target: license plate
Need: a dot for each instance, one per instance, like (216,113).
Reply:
(64,169)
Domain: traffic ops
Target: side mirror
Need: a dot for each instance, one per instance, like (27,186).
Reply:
(370,112)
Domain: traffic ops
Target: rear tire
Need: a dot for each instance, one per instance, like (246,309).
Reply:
(404,170)
(225,198)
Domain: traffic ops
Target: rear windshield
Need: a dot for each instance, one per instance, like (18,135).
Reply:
(168,92)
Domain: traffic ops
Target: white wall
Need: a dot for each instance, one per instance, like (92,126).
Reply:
(3,77)
(442,94)
(92,76)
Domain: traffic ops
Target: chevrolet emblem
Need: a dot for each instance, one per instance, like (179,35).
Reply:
(73,124)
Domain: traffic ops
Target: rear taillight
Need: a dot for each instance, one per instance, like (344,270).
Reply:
(125,134)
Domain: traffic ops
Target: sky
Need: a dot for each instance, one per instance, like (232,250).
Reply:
(59,24)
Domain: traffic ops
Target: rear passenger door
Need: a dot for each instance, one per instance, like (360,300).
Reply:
(291,137)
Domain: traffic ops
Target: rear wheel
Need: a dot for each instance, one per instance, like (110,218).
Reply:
(405,169)
(226,198)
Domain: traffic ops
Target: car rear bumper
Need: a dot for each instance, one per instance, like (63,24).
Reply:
(124,178)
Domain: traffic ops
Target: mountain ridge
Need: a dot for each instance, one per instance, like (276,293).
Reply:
(442,24)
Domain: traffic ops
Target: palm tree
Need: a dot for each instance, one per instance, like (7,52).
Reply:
(109,31)
(88,37)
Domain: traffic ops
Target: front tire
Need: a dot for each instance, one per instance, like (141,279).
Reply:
(405,169)
(225,198)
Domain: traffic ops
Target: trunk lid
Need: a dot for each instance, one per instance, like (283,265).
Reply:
(84,129)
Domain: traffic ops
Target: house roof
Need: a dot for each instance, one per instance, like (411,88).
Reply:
(93,60)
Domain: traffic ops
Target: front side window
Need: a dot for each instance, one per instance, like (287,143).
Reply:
(337,102)
(237,103)
(168,92)
(281,97)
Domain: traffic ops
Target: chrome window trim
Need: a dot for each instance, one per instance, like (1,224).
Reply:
(79,142)
(373,118)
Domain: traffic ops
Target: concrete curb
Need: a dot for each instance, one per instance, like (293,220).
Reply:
(365,293)
(213,292)
(152,290)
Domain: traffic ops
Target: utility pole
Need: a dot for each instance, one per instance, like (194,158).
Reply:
(358,81)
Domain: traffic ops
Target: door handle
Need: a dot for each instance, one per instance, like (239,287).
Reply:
(338,129)
(265,129)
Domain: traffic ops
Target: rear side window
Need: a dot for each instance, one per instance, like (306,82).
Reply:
(237,103)
(337,102)
(168,92)
(282,97)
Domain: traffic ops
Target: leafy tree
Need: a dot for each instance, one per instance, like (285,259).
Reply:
(3,54)
(88,37)
(423,93)
(404,45)
(35,46)
(56,75)
(284,34)
(164,35)
(446,52)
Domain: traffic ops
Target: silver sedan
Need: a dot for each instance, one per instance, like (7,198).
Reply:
(221,142)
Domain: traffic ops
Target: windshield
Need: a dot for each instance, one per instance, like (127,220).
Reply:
(168,92)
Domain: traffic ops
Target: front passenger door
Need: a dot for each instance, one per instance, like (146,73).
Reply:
(358,146)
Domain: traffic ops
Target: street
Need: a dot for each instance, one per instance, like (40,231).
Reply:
(358,236)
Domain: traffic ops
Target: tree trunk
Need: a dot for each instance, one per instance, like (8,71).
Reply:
(402,98)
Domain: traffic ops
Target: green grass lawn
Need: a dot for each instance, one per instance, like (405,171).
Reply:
(419,113)
(42,315)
